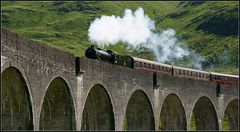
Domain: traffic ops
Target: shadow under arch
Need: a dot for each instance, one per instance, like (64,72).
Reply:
(231,116)
(16,101)
(172,115)
(98,111)
(57,112)
(139,113)
(204,116)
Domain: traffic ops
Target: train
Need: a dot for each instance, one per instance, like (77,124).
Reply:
(155,67)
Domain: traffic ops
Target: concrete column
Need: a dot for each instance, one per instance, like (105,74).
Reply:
(79,102)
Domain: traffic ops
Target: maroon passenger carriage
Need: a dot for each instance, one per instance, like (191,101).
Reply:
(142,64)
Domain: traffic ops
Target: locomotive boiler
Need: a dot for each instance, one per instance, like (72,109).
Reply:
(99,54)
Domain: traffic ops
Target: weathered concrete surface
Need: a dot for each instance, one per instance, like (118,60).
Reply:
(177,98)
(39,64)
(121,82)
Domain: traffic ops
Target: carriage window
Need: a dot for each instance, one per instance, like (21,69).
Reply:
(180,72)
(136,64)
(153,67)
(191,73)
(159,68)
(145,65)
(196,74)
(183,72)
(149,66)
(140,64)
(187,73)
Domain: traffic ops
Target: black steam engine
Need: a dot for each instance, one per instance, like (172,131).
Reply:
(109,56)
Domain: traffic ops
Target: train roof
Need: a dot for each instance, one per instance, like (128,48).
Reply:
(227,75)
(189,69)
(152,62)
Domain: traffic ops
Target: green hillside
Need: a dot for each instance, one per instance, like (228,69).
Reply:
(209,28)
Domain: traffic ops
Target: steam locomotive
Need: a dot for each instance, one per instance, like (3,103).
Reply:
(147,65)
(109,56)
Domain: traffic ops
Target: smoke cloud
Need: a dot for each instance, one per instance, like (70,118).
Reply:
(134,29)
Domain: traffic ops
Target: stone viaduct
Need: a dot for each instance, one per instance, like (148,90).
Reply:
(44,88)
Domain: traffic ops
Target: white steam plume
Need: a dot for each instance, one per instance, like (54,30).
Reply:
(132,28)
(136,29)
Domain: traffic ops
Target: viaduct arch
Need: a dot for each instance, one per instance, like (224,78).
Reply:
(139,112)
(16,103)
(230,119)
(172,116)
(98,110)
(204,115)
(57,109)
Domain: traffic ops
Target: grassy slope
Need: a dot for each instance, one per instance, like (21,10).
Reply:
(65,25)
(220,47)
(61,26)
